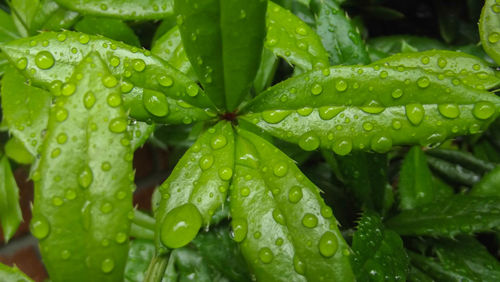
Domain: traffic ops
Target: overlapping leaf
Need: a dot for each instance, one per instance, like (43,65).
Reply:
(152,90)
(448,217)
(371,108)
(84,180)
(8,30)
(489,29)
(111,28)
(123,9)
(197,186)
(13,274)
(10,211)
(285,230)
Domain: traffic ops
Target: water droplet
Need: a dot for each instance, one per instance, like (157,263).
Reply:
(425,60)
(109,81)
(114,100)
(309,141)
(105,166)
(126,87)
(61,114)
(192,90)
(68,89)
(118,125)
(381,144)
(415,113)
(278,216)
(383,74)
(280,169)
(121,237)
(138,65)
(266,255)
(494,37)
(84,39)
(180,226)
(295,194)
(22,63)
(328,244)
(368,126)
(326,212)
(316,89)
(218,142)
(165,80)
(483,110)
(310,220)
(449,110)
(245,191)
(114,61)
(423,82)
(396,124)
(57,201)
(274,116)
(397,93)
(206,161)
(44,60)
(329,112)
(106,207)
(155,103)
(341,86)
(40,227)
(304,111)
(70,194)
(225,173)
(342,147)
(373,107)
(107,265)
(89,100)
(301,30)
(61,37)
(62,138)
(85,177)
(299,265)
(65,254)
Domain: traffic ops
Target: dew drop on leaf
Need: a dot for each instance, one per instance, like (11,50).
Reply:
(266,255)
(278,216)
(309,220)
(415,113)
(40,227)
(342,147)
(180,226)
(225,173)
(295,194)
(274,116)
(316,89)
(107,265)
(138,65)
(449,110)
(118,125)
(206,161)
(44,60)
(483,110)
(328,244)
(298,265)
(423,82)
(155,103)
(280,169)
(85,177)
(309,141)
(89,100)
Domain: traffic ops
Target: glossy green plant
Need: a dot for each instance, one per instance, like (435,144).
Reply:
(91,100)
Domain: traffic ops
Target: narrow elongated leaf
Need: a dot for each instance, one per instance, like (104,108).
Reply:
(464,68)
(379,254)
(25,109)
(370,107)
(437,271)
(453,172)
(340,38)
(285,231)
(32,16)
(13,274)
(223,41)
(10,211)
(123,9)
(448,217)
(489,185)
(489,29)
(111,28)
(267,69)
(416,186)
(292,39)
(152,90)
(393,44)
(84,180)
(169,47)
(464,159)
(8,31)
(197,186)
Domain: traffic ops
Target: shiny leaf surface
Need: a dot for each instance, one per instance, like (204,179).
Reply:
(10,211)
(489,29)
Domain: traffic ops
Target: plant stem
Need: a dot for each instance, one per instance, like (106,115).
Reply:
(156,268)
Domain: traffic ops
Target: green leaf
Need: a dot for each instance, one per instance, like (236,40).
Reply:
(489,30)
(223,41)
(140,132)
(292,39)
(111,28)
(152,90)
(339,36)
(123,9)
(25,109)
(170,48)
(488,185)
(365,175)
(448,217)
(265,74)
(85,195)
(370,107)
(15,150)
(465,69)
(31,16)
(393,44)
(13,274)
(139,255)
(436,270)
(197,186)
(416,186)
(8,31)
(285,230)
(10,211)
(453,172)
(379,254)
(464,159)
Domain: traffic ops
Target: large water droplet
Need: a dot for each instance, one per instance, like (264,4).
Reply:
(449,110)
(114,100)
(240,229)
(397,93)
(341,86)
(206,161)
(299,265)
(483,110)
(118,125)
(280,169)
(218,142)
(304,111)
(165,80)
(266,255)
(342,147)
(295,194)
(44,60)
(85,177)
(415,113)
(316,89)
(192,90)
(494,37)
(278,216)
(225,173)
(381,144)
(109,81)
(309,141)
(61,114)
(138,65)
(107,265)
(89,100)
(40,227)
(180,226)
(328,244)
(329,112)
(310,220)
(155,103)
(274,116)
(423,82)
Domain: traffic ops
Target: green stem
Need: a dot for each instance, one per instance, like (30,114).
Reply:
(144,220)
(141,232)
(156,268)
